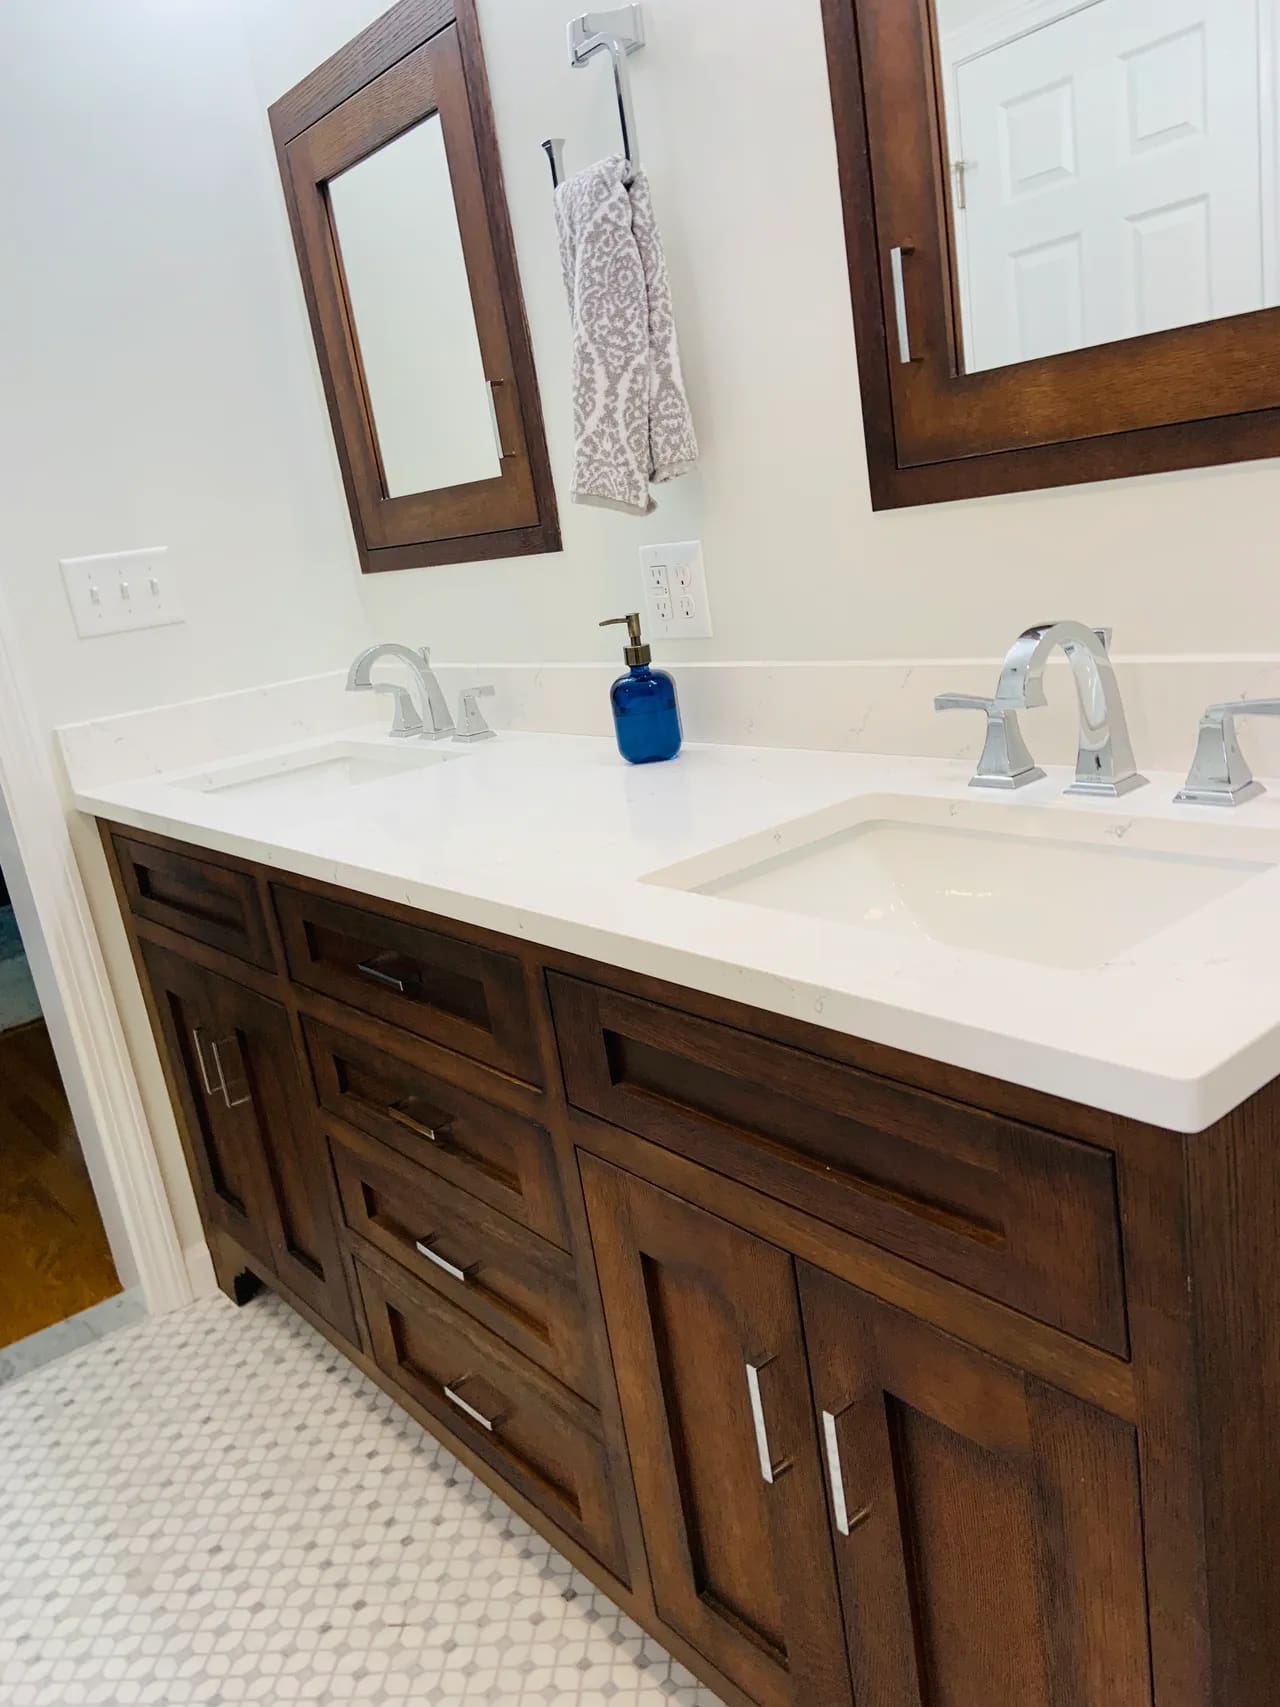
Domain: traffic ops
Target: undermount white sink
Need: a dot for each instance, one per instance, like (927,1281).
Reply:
(317,772)
(1061,889)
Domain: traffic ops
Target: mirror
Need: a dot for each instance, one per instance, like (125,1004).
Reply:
(1062,220)
(389,163)
(1107,163)
(410,299)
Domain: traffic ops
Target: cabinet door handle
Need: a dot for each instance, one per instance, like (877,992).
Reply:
(210,1090)
(432,1128)
(489,1424)
(896,256)
(845,1523)
(216,1050)
(424,1249)
(771,1470)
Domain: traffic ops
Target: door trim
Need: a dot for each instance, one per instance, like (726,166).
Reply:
(88,1034)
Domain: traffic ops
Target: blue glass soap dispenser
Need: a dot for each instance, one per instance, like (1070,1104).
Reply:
(646,712)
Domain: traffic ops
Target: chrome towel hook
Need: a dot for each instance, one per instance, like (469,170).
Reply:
(620,34)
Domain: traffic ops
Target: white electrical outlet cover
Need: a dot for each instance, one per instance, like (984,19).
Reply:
(674,583)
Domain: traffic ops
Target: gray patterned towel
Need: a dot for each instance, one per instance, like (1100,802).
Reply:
(631,415)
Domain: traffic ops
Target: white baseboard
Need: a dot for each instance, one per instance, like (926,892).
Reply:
(200,1270)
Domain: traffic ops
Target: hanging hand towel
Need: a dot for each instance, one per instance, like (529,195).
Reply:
(631,415)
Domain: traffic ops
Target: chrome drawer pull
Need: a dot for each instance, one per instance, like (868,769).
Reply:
(770,1470)
(839,1500)
(370,969)
(434,1130)
(423,1248)
(222,1074)
(489,1424)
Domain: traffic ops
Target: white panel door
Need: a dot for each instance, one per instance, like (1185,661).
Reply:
(1112,180)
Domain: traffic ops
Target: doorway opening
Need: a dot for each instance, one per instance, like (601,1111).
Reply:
(55,1258)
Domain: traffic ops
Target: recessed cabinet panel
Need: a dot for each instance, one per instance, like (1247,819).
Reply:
(259,1159)
(705,1332)
(1013,1212)
(537,1434)
(987,1527)
(455,992)
(494,1155)
(214,904)
(496,1270)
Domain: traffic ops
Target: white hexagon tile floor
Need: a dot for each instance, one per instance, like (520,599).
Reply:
(215,1508)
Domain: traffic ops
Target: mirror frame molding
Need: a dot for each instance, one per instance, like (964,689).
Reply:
(1192,397)
(424,56)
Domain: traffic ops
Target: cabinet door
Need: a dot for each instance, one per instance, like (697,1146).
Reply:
(704,1325)
(261,1163)
(988,1526)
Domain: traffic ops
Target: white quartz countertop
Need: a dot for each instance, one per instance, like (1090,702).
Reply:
(546,837)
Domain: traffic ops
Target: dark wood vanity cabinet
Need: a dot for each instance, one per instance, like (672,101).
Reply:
(858,1380)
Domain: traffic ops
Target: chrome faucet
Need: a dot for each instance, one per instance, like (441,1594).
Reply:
(1104,764)
(431,720)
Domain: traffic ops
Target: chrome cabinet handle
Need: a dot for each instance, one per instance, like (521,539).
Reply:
(424,1249)
(216,1049)
(771,1470)
(489,1424)
(219,1089)
(845,1523)
(377,969)
(210,1090)
(896,256)
(492,388)
(433,1130)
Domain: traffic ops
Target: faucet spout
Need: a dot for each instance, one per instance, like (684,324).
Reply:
(1104,763)
(430,720)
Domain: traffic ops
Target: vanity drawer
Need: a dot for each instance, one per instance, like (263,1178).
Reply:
(505,1276)
(1009,1210)
(540,1437)
(456,993)
(504,1160)
(216,904)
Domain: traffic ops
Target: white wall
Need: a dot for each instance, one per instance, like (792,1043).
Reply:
(149,373)
(735,125)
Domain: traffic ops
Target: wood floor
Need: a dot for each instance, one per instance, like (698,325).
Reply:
(54,1257)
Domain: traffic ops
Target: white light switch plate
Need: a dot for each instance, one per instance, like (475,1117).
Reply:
(674,579)
(121,590)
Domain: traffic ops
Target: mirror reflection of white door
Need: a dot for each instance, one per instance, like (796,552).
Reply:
(1113,179)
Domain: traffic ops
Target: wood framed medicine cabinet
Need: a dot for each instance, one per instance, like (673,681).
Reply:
(981,179)
(389,160)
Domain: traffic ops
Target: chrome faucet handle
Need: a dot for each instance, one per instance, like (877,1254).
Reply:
(471,723)
(1220,773)
(1006,761)
(407,722)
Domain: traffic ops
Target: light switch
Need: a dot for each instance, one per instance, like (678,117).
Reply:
(674,580)
(121,590)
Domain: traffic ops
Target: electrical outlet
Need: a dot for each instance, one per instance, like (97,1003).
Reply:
(674,579)
(121,590)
